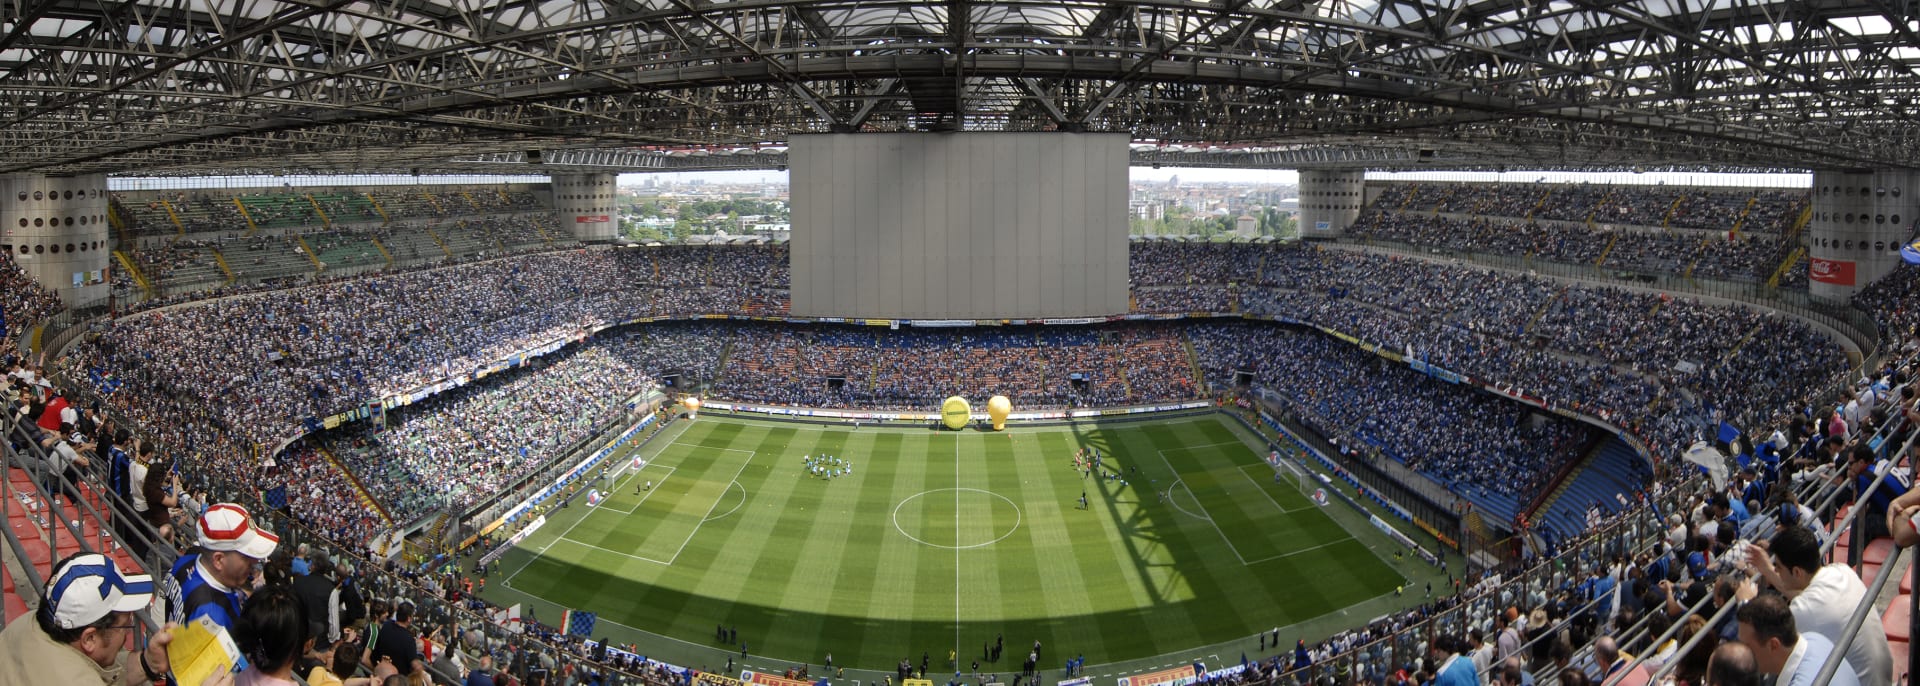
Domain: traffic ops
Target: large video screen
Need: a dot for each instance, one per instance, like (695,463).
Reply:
(959,226)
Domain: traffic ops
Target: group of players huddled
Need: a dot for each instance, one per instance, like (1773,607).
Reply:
(828,466)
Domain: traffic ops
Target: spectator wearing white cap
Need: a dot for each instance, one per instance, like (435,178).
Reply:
(209,580)
(79,633)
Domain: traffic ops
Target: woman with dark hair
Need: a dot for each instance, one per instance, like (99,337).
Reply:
(272,634)
(159,487)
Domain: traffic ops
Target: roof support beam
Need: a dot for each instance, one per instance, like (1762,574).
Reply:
(1126,81)
(799,86)
(881,92)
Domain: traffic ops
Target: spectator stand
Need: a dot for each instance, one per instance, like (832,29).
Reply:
(1469,617)
(1740,235)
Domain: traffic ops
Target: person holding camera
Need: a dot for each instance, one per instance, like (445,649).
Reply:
(1822,598)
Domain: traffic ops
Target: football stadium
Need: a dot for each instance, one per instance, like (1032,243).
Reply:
(1000,343)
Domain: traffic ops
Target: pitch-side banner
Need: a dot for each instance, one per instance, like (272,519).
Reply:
(763,679)
(1178,676)
(711,679)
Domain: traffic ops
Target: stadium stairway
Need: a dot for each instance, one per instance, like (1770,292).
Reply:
(439,526)
(437,240)
(360,491)
(726,352)
(1193,361)
(15,604)
(1610,471)
(26,514)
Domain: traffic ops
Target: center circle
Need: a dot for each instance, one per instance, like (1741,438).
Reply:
(956,518)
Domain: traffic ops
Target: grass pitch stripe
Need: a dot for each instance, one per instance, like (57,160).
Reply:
(803,566)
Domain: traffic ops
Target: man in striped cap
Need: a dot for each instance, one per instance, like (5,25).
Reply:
(79,633)
(209,581)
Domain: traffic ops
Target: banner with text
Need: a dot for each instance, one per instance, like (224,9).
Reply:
(1178,676)
(764,679)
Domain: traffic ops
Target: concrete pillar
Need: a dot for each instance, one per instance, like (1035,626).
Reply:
(56,230)
(584,203)
(1330,201)
(1859,221)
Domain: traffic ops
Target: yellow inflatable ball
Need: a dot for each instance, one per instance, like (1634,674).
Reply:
(955,412)
(998,407)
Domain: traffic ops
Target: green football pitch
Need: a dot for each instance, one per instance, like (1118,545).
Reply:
(940,541)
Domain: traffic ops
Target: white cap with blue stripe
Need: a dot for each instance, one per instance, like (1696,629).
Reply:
(87,587)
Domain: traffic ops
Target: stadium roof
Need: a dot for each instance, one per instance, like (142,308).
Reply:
(249,86)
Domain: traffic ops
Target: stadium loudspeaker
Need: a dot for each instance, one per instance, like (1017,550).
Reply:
(535,157)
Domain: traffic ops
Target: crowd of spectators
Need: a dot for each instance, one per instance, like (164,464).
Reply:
(1152,263)
(26,301)
(1526,333)
(311,352)
(1894,300)
(1461,437)
(288,207)
(1666,368)
(1766,211)
(1754,542)
(1750,257)
(453,449)
(918,368)
(323,497)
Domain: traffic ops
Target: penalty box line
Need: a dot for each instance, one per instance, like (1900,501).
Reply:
(627,476)
(1269,494)
(690,535)
(1203,506)
(630,477)
(1216,525)
(576,523)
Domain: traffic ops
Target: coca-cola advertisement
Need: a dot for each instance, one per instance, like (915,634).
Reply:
(1837,272)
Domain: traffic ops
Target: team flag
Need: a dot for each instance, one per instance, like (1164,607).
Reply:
(577,623)
(275,497)
(509,618)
